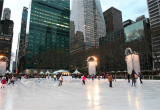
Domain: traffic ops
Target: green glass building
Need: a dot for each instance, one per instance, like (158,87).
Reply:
(48,28)
(132,31)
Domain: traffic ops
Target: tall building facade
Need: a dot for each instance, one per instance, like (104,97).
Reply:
(113,20)
(22,47)
(115,33)
(88,21)
(49,28)
(1,8)
(132,30)
(114,26)
(6,36)
(6,14)
(154,15)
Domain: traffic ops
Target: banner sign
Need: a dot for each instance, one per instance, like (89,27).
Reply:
(92,67)
(3,68)
(128,59)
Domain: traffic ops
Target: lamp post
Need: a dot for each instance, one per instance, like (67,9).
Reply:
(92,63)
(3,64)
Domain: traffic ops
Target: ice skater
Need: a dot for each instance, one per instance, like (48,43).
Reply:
(54,78)
(133,79)
(3,83)
(140,78)
(12,80)
(128,77)
(98,77)
(92,77)
(83,80)
(110,80)
(7,78)
(60,81)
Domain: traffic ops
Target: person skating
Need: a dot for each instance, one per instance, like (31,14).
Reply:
(60,81)
(140,77)
(104,76)
(20,77)
(7,78)
(92,77)
(110,80)
(98,77)
(128,77)
(12,80)
(54,77)
(3,83)
(83,80)
(133,79)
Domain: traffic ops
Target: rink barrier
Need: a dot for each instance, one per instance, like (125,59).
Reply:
(145,77)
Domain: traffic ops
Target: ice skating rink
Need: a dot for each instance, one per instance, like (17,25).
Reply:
(29,94)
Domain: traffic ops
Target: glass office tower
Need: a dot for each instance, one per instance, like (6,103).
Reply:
(23,32)
(88,18)
(132,31)
(49,28)
(21,42)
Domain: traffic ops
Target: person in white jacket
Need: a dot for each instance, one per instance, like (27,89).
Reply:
(54,77)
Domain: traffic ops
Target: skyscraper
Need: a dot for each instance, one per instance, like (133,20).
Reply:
(49,27)
(6,14)
(113,20)
(22,48)
(154,15)
(131,31)
(114,26)
(89,21)
(6,36)
(1,8)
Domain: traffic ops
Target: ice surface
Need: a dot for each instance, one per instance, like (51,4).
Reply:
(29,94)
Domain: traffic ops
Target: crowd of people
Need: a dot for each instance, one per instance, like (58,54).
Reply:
(10,79)
(112,77)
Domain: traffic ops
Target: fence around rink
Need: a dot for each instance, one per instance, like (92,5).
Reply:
(146,77)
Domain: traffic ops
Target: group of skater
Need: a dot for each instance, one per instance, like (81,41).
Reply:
(111,78)
(8,80)
(134,77)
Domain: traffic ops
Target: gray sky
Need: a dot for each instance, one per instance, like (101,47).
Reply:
(131,9)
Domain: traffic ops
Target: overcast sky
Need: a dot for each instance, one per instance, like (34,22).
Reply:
(131,9)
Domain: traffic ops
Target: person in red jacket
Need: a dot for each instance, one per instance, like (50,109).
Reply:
(83,80)
(3,82)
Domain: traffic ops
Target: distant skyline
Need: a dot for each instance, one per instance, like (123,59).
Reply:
(131,9)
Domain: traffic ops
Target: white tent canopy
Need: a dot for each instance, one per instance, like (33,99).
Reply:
(7,71)
(47,72)
(60,71)
(41,72)
(75,72)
